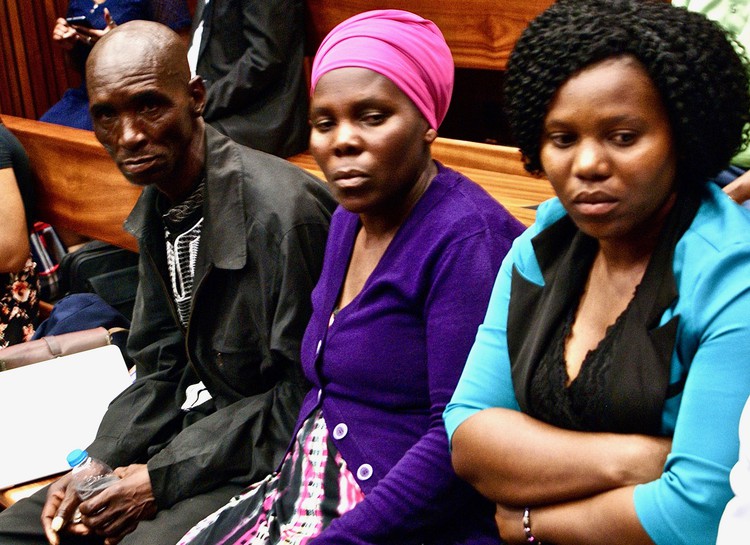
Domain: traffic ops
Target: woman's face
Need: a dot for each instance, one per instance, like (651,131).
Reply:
(369,139)
(607,149)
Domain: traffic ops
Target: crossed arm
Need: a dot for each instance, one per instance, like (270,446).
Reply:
(585,487)
(569,477)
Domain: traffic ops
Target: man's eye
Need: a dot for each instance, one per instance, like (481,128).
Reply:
(104,117)
(148,109)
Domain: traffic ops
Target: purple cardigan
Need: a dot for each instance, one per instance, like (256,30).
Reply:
(390,361)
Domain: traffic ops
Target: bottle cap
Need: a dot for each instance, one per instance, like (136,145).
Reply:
(76,457)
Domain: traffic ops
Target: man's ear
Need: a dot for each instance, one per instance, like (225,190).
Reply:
(430,135)
(197,95)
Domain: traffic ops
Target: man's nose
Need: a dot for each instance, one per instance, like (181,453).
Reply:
(131,134)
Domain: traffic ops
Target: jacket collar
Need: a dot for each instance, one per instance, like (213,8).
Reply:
(223,208)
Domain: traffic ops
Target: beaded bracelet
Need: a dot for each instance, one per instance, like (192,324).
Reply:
(527,527)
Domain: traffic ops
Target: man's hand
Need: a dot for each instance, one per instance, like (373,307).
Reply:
(59,509)
(739,189)
(118,509)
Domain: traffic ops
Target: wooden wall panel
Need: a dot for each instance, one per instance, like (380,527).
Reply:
(34,72)
(480,33)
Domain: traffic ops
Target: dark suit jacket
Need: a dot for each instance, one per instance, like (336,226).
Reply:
(251,57)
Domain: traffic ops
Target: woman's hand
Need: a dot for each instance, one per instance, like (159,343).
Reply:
(63,34)
(647,459)
(67,35)
(90,36)
(509,521)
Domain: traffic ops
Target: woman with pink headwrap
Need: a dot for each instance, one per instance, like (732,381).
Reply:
(412,254)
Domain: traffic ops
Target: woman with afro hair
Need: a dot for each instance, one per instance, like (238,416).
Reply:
(601,399)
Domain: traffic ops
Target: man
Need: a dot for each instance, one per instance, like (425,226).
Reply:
(250,55)
(231,242)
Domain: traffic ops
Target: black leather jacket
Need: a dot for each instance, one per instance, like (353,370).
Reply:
(262,244)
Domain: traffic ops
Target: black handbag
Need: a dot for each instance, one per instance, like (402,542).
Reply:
(109,271)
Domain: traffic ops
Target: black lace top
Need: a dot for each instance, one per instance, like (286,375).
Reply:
(584,404)
(624,381)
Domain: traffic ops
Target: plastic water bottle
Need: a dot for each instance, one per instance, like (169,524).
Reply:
(89,476)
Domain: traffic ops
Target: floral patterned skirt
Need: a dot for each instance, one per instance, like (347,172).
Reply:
(19,305)
(290,507)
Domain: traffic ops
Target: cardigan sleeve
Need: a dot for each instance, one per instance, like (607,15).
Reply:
(488,362)
(422,489)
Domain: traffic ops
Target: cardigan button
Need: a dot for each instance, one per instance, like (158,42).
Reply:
(340,431)
(317,348)
(364,472)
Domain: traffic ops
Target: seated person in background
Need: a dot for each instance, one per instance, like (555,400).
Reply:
(411,257)
(73,108)
(18,282)
(735,522)
(733,15)
(617,336)
(250,55)
(231,244)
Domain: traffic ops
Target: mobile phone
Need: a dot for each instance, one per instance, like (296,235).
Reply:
(80,20)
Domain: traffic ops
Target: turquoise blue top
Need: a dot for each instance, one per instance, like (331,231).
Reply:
(712,273)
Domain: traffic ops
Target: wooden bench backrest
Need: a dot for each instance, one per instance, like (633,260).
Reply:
(78,186)
(498,169)
(480,33)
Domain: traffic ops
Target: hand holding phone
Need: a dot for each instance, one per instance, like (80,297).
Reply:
(72,30)
(79,21)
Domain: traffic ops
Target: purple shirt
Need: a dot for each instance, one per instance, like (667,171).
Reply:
(390,361)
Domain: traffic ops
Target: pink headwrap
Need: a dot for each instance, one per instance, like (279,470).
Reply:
(407,49)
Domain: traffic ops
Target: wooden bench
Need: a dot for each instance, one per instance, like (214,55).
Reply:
(498,169)
(78,186)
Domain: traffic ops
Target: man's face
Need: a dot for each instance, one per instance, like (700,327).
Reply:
(145,117)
